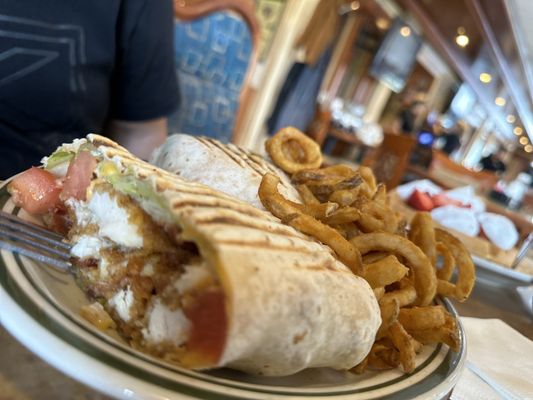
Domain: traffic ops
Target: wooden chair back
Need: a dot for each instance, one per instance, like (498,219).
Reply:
(188,11)
(457,175)
(390,160)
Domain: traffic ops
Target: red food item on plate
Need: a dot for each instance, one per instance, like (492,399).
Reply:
(440,200)
(420,201)
(78,176)
(35,190)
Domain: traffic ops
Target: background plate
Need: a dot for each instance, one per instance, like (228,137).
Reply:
(497,271)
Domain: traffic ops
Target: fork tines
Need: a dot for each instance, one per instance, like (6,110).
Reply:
(33,241)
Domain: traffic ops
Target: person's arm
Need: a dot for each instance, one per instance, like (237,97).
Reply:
(144,82)
(139,137)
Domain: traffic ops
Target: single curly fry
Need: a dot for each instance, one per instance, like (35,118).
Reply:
(425,278)
(466,277)
(422,233)
(293,151)
(448,262)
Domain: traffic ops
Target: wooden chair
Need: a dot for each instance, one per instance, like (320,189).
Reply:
(216,52)
(389,161)
(455,175)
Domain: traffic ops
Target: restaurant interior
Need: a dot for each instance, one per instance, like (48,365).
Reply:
(434,96)
(416,90)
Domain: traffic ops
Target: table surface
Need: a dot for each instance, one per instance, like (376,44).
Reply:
(24,376)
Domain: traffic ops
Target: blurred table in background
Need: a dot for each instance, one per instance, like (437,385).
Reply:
(521,221)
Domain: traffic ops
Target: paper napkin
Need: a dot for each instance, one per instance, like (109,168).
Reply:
(500,353)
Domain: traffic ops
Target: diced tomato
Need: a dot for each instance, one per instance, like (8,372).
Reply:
(35,190)
(78,176)
(420,201)
(440,200)
(208,333)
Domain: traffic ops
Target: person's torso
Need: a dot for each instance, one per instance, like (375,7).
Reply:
(56,59)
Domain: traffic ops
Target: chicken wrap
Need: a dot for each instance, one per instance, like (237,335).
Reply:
(225,167)
(196,277)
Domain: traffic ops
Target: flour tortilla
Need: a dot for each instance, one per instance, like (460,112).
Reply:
(224,167)
(290,304)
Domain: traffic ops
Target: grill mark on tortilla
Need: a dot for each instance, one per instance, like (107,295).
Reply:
(267,245)
(200,191)
(212,145)
(259,165)
(243,159)
(268,167)
(260,168)
(255,161)
(324,264)
(239,161)
(280,230)
(228,206)
(258,160)
(204,141)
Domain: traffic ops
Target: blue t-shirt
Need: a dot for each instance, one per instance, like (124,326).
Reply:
(68,67)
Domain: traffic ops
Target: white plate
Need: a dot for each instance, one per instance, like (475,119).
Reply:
(39,306)
(496,271)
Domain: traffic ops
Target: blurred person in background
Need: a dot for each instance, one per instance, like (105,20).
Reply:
(68,68)
(494,162)
(410,116)
(451,138)
(422,154)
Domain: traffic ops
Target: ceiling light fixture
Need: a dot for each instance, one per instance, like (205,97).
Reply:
(511,118)
(382,23)
(523,141)
(405,31)
(528,148)
(485,77)
(461,39)
(500,101)
(355,5)
(517,131)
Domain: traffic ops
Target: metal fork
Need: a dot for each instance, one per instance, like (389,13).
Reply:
(33,241)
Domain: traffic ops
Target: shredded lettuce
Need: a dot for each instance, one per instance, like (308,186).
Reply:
(59,157)
(141,191)
(88,146)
